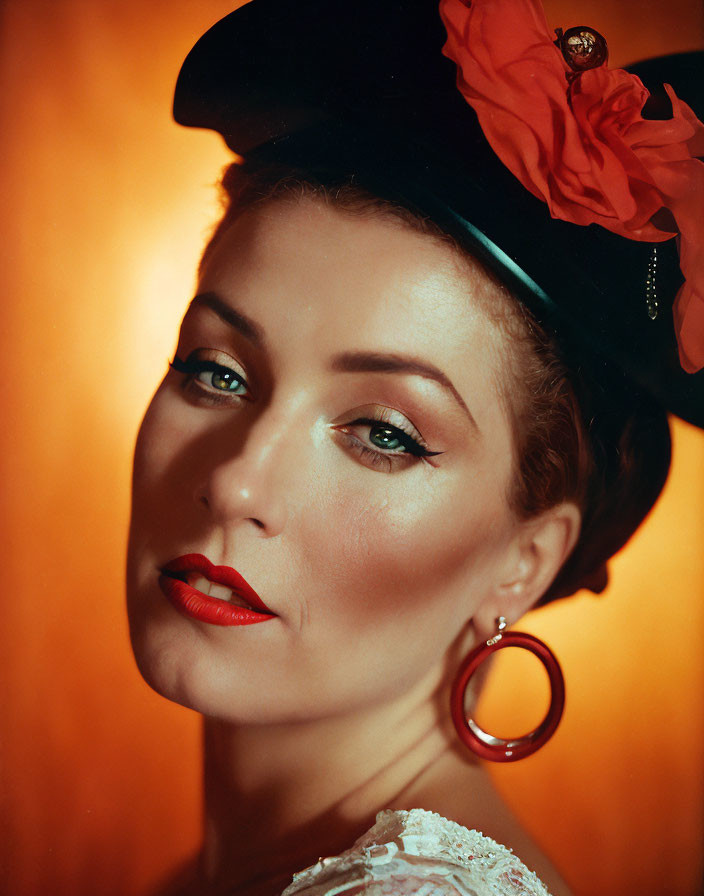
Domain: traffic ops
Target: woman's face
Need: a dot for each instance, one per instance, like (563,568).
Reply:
(265,455)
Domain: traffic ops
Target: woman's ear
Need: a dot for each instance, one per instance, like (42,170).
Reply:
(540,547)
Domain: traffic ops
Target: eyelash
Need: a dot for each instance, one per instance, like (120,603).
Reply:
(412,448)
(192,367)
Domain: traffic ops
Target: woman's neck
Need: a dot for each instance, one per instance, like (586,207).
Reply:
(279,796)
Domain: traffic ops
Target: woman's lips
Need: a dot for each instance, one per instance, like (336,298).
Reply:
(178,578)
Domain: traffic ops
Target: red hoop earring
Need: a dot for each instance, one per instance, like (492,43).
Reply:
(496,749)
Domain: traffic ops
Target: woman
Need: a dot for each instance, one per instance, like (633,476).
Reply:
(414,396)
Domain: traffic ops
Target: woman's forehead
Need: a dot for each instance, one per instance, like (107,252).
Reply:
(364,277)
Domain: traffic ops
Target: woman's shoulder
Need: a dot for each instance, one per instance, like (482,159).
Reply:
(419,852)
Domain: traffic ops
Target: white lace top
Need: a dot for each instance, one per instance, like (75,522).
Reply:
(423,854)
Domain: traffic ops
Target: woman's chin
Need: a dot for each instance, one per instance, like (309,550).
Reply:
(188,674)
(163,671)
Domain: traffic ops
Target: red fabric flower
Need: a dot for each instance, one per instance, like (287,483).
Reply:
(581,144)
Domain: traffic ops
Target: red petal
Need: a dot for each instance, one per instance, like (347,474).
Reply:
(583,147)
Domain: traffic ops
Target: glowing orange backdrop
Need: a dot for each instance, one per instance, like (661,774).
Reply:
(105,204)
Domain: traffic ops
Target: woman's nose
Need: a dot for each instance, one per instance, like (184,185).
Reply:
(249,474)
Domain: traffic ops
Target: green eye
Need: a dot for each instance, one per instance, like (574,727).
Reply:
(223,380)
(212,376)
(381,444)
(386,437)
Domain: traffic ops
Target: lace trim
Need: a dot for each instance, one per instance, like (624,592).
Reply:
(419,852)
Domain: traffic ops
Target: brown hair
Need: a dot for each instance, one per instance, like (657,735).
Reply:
(594,441)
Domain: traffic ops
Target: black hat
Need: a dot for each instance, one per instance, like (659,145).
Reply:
(368,83)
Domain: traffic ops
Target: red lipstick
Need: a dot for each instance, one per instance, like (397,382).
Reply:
(173,581)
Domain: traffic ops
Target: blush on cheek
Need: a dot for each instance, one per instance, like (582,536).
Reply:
(159,431)
(160,480)
(393,583)
(400,553)
(163,442)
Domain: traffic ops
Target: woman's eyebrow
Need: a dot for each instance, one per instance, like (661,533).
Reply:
(347,362)
(240,322)
(374,362)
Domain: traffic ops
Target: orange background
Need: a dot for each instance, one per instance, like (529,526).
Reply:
(105,206)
